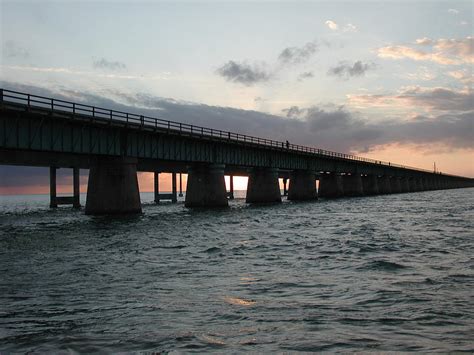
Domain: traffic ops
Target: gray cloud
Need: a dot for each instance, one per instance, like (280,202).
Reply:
(243,73)
(108,64)
(346,70)
(296,55)
(305,75)
(12,50)
(442,99)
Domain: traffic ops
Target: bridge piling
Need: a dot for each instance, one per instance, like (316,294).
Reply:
(52,187)
(370,185)
(405,185)
(113,187)
(230,194)
(206,186)
(384,185)
(302,185)
(330,186)
(263,186)
(352,185)
(395,185)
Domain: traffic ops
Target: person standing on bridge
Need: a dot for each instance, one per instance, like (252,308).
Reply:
(287,145)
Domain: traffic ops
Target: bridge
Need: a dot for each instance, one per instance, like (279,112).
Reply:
(114,145)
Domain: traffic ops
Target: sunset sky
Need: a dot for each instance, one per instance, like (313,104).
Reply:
(390,80)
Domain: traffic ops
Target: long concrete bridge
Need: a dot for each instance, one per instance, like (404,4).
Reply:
(114,145)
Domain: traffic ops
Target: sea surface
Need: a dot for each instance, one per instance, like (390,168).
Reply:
(385,273)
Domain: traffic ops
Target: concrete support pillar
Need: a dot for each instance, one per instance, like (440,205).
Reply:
(424,184)
(231,190)
(370,185)
(395,185)
(206,186)
(330,186)
(302,185)
(412,185)
(174,192)
(113,187)
(405,185)
(384,185)
(180,185)
(263,186)
(76,201)
(353,185)
(285,190)
(156,186)
(52,187)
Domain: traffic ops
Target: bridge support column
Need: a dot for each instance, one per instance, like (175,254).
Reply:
(180,185)
(206,186)
(421,184)
(73,200)
(353,185)
(330,186)
(263,186)
(113,187)
(285,189)
(370,185)
(412,184)
(405,185)
(230,194)
(302,185)
(384,185)
(52,187)
(395,185)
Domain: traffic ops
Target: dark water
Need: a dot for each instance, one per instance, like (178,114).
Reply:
(381,273)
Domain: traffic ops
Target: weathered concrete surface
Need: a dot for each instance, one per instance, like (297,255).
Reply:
(370,185)
(352,185)
(113,187)
(206,186)
(302,185)
(263,186)
(384,185)
(330,186)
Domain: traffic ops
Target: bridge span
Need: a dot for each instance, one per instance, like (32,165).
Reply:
(114,145)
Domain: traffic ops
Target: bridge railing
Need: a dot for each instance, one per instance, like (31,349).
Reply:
(101,114)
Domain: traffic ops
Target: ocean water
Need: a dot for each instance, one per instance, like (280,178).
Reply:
(385,273)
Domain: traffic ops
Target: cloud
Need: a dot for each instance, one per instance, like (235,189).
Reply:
(443,51)
(108,64)
(296,55)
(345,70)
(305,75)
(440,99)
(243,73)
(335,27)
(13,50)
(453,11)
(332,25)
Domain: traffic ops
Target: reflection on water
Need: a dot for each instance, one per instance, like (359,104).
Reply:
(385,273)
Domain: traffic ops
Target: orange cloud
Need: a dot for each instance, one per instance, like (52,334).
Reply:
(443,51)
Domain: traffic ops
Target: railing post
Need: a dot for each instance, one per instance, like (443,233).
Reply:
(1,96)
(73,108)
(29,101)
(52,104)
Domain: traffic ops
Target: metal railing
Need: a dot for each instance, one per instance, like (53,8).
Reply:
(101,114)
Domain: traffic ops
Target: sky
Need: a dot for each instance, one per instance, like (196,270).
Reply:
(389,80)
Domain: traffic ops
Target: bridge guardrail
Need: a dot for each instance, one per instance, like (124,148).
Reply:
(94,112)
